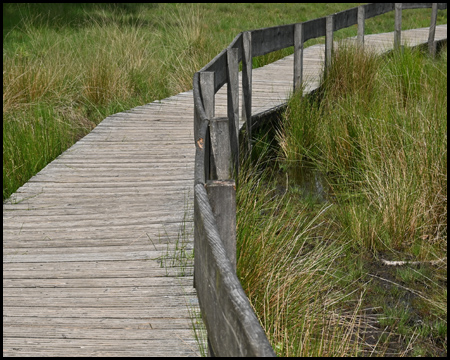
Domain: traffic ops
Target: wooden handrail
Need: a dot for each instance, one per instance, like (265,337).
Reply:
(233,328)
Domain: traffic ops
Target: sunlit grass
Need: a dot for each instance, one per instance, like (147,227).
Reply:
(380,140)
(383,136)
(287,264)
(83,62)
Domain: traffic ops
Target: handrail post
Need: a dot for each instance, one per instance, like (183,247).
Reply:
(207,91)
(233,106)
(361,24)
(431,43)
(398,26)
(299,37)
(220,161)
(247,85)
(222,197)
(329,40)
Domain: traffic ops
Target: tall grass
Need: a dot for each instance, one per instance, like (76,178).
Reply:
(68,66)
(377,131)
(287,264)
(382,135)
(58,83)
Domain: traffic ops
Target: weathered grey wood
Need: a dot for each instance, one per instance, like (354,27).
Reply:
(77,250)
(218,67)
(375,9)
(207,90)
(77,235)
(298,55)
(262,100)
(431,43)
(329,41)
(314,28)
(221,161)
(233,328)
(131,324)
(271,39)
(398,26)
(345,18)
(361,24)
(233,105)
(247,85)
(222,198)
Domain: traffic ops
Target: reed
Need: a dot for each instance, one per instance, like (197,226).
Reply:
(287,263)
(377,131)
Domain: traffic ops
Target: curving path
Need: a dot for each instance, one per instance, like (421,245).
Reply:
(84,239)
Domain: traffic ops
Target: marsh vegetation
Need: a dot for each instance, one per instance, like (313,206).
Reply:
(311,265)
(317,262)
(67,66)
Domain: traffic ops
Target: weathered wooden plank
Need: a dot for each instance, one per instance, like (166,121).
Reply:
(89,269)
(239,333)
(168,336)
(77,311)
(233,106)
(155,251)
(64,348)
(247,84)
(68,274)
(271,39)
(77,235)
(129,324)
(98,282)
(128,302)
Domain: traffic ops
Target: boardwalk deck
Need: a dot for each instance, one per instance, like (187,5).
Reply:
(82,239)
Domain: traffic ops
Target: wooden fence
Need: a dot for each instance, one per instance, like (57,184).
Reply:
(232,326)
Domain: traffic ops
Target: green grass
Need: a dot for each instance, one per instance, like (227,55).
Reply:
(287,258)
(68,66)
(379,140)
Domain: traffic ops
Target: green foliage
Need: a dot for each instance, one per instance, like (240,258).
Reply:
(380,140)
(85,61)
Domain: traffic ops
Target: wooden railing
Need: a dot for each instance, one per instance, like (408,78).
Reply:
(232,326)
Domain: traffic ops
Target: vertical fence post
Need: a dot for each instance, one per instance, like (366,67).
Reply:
(298,55)
(247,85)
(431,43)
(329,40)
(207,90)
(222,197)
(361,24)
(233,106)
(398,26)
(221,161)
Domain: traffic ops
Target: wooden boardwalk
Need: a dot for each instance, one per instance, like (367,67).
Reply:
(84,238)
